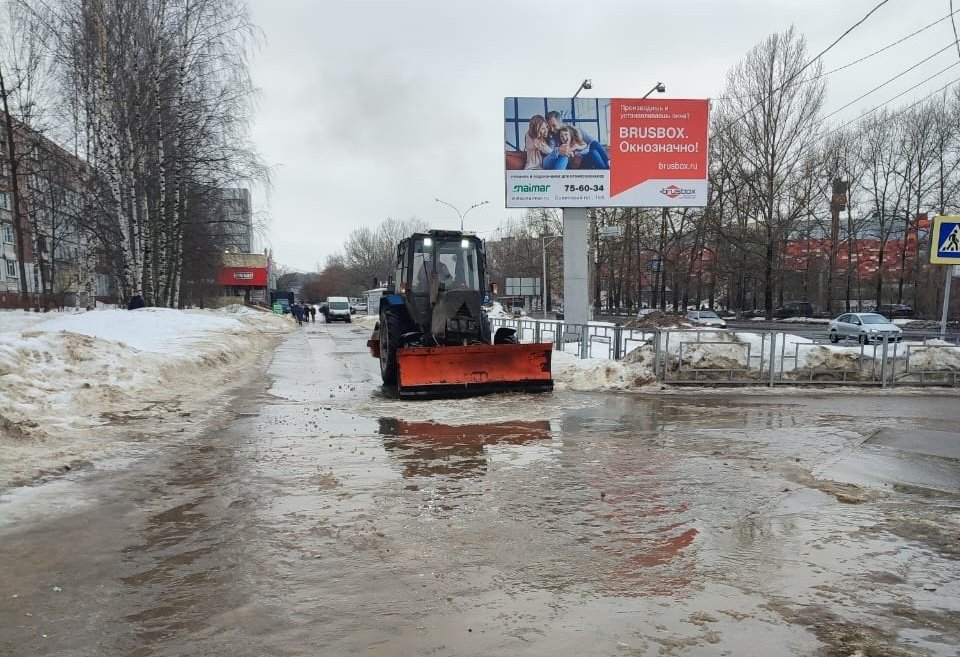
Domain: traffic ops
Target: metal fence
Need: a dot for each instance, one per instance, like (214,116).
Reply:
(754,357)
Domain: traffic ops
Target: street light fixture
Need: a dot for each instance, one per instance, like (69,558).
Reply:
(462,214)
(658,87)
(586,84)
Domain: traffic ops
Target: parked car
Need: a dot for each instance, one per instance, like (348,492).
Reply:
(794,309)
(360,307)
(706,318)
(894,310)
(646,312)
(864,327)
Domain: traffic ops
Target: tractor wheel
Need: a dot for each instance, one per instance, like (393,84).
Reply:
(389,341)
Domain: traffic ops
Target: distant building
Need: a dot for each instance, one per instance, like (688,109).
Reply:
(245,276)
(234,221)
(58,255)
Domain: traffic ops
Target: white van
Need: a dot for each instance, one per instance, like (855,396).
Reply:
(338,308)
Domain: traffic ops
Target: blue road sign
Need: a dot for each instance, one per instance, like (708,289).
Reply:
(945,241)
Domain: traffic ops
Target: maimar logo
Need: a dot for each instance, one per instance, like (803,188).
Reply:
(531,189)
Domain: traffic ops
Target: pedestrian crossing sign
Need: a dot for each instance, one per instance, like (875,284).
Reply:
(945,241)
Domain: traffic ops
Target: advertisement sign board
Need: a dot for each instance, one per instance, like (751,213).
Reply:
(522,287)
(605,152)
(242,276)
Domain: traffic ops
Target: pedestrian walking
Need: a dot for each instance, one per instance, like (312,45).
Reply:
(297,311)
(313,314)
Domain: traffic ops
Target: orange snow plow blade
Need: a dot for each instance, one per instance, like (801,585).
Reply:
(464,371)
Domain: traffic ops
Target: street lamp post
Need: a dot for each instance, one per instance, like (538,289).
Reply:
(461,214)
(658,87)
(586,84)
(543,283)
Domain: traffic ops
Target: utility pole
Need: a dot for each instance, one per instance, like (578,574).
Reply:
(838,202)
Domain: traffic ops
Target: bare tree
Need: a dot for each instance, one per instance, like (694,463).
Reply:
(882,145)
(159,96)
(767,127)
(370,253)
(22,70)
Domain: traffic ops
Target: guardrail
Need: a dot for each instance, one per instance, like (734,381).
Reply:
(760,357)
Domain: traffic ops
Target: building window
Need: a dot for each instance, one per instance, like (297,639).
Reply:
(12,268)
(4,201)
(8,234)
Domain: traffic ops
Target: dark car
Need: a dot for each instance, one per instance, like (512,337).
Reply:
(892,310)
(794,309)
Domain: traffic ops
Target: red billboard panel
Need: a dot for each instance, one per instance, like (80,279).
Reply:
(243,276)
(661,141)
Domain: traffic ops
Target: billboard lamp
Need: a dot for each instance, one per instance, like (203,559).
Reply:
(658,87)
(586,84)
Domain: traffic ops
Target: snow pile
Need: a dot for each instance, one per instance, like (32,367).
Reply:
(718,350)
(823,360)
(63,373)
(934,355)
(496,310)
(633,371)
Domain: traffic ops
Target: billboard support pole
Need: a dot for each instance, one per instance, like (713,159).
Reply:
(575,283)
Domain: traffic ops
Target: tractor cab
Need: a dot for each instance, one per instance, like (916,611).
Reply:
(441,277)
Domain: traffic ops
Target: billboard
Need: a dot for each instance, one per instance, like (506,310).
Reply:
(522,287)
(605,152)
(242,276)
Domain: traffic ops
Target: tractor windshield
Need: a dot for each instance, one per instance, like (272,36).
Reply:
(453,261)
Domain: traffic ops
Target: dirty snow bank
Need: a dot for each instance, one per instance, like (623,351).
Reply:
(64,374)
(796,358)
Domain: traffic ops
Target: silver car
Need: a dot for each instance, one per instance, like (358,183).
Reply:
(864,327)
(705,318)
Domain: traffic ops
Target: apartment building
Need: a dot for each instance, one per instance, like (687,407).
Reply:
(57,253)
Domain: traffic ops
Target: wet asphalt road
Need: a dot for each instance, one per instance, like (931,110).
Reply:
(329,519)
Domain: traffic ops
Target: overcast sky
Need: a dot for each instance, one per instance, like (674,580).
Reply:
(370,110)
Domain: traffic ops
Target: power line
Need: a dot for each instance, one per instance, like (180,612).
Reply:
(889,46)
(895,77)
(897,97)
(789,82)
(865,57)
(840,38)
(956,39)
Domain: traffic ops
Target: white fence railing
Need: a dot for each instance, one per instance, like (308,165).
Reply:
(754,357)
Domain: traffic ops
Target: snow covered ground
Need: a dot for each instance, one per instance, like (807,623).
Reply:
(109,374)
(74,384)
